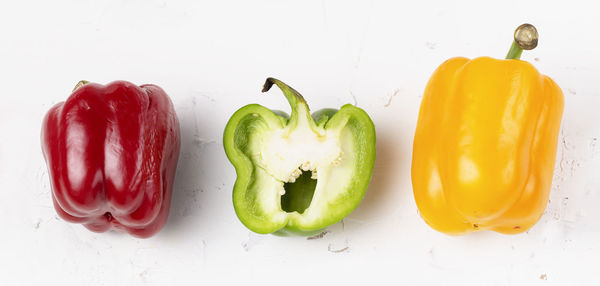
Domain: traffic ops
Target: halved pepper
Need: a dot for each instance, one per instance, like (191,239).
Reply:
(485,143)
(300,173)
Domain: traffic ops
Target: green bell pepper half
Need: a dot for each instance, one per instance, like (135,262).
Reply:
(300,173)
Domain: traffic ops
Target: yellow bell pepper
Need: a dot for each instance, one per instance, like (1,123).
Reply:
(485,143)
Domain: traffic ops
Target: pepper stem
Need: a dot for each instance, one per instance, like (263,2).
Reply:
(294,98)
(80,84)
(525,38)
(291,94)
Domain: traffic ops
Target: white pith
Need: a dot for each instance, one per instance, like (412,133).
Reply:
(283,155)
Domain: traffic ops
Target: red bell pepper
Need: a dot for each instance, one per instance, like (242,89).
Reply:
(111,153)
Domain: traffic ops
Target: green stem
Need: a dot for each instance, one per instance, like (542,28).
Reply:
(515,52)
(525,38)
(294,98)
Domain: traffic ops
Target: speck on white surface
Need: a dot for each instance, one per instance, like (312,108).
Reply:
(212,58)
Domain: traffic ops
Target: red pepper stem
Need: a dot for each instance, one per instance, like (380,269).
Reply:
(525,38)
(80,84)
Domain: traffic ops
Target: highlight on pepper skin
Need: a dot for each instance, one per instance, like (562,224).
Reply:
(111,153)
(485,143)
(300,173)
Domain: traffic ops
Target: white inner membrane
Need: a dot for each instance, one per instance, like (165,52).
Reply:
(284,155)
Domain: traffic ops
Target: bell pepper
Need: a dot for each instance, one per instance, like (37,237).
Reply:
(485,143)
(111,153)
(298,174)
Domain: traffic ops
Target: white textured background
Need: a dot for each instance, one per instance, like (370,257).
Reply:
(212,58)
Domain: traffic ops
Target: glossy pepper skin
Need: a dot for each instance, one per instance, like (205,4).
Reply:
(111,153)
(485,146)
(273,154)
